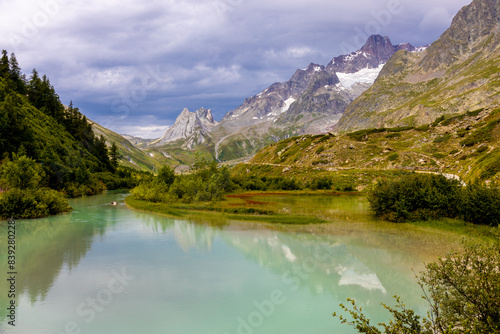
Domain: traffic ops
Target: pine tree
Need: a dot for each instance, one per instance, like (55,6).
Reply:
(18,79)
(4,64)
(113,155)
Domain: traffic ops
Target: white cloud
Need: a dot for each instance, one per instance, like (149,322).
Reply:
(147,132)
(438,17)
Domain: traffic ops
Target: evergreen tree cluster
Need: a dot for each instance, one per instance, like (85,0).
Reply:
(34,124)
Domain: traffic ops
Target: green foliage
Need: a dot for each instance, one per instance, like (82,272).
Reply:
(427,196)
(423,128)
(22,172)
(481,135)
(34,123)
(393,157)
(23,198)
(463,292)
(404,320)
(439,155)
(362,135)
(321,183)
(320,149)
(438,120)
(442,139)
(266,183)
(113,155)
(417,196)
(32,203)
(482,148)
(209,182)
(166,175)
(480,204)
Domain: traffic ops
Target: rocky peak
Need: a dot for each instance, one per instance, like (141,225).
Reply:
(458,73)
(469,27)
(205,115)
(376,51)
(195,125)
(379,47)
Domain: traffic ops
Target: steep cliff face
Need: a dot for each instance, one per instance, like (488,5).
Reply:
(459,72)
(192,127)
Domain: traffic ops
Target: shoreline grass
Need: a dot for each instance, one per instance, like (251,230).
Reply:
(258,207)
(235,209)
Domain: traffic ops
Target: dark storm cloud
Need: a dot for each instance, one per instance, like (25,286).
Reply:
(133,65)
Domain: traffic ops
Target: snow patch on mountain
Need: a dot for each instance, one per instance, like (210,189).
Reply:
(365,75)
(288,103)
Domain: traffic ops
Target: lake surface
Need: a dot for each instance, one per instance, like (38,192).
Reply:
(106,269)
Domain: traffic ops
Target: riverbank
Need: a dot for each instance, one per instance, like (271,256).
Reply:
(318,212)
(240,207)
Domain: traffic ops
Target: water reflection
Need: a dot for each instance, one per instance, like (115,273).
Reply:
(331,265)
(172,258)
(45,246)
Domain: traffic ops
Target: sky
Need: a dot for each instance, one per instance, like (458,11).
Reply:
(133,65)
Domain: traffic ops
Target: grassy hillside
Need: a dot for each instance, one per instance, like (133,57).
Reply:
(129,155)
(466,145)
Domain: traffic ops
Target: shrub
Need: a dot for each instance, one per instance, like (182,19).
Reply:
(31,203)
(321,183)
(427,196)
(320,149)
(442,139)
(416,196)
(463,293)
(480,204)
(481,135)
(393,157)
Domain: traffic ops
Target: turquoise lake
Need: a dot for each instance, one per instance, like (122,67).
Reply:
(110,269)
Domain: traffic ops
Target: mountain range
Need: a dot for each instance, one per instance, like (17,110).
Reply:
(311,101)
(381,85)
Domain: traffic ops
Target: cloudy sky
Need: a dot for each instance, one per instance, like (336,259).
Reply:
(133,65)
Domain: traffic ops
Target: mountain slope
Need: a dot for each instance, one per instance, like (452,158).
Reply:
(457,73)
(129,154)
(466,145)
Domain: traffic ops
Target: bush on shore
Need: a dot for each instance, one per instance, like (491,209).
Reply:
(428,196)
(463,292)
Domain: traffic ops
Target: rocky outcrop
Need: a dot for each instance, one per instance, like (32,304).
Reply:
(192,127)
